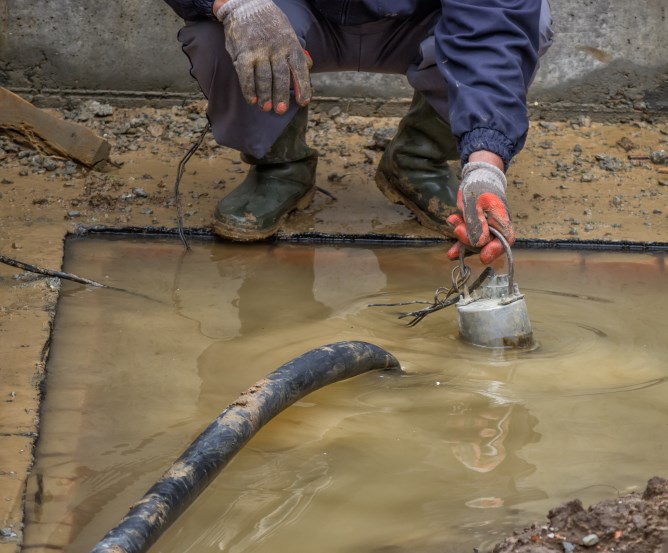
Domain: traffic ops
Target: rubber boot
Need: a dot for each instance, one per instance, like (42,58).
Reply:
(413,170)
(276,184)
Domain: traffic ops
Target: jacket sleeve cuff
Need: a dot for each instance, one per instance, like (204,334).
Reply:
(486,139)
(204,8)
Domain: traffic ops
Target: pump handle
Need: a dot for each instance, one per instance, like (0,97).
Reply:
(509,255)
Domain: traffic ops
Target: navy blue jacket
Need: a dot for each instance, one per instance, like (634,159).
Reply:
(486,50)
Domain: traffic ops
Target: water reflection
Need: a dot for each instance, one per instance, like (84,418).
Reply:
(466,444)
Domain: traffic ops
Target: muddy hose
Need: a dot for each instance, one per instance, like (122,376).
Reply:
(228,433)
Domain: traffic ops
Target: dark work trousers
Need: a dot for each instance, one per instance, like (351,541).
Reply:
(402,46)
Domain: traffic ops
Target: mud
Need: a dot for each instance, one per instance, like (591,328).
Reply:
(575,179)
(635,523)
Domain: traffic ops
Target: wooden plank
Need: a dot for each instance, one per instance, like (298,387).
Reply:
(50,133)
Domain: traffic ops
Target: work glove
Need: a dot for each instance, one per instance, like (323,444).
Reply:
(482,202)
(266,54)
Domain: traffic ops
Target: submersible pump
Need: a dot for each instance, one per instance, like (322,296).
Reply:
(495,315)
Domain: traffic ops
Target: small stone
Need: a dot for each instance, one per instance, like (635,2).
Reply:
(7,181)
(662,182)
(156,131)
(547,125)
(639,521)
(568,546)
(139,193)
(573,231)
(617,201)
(609,163)
(50,164)
(100,110)
(626,144)
(73,214)
(336,110)
(658,157)
(589,227)
(70,168)
(584,121)
(7,533)
(590,540)
(381,138)
(586,177)
(10,147)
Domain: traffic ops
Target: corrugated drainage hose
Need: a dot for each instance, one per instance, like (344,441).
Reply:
(228,433)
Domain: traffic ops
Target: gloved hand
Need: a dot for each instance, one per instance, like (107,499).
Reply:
(266,53)
(482,202)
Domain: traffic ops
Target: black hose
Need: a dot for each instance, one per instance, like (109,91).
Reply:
(228,433)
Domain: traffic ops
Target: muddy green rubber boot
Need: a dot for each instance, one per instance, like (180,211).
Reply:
(276,184)
(413,170)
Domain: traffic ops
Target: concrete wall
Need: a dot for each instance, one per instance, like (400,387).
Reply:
(608,55)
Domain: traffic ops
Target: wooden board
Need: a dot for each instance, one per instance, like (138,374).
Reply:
(50,133)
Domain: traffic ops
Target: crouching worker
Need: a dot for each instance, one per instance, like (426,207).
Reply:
(470,63)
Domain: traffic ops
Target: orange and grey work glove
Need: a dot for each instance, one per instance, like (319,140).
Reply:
(482,202)
(266,54)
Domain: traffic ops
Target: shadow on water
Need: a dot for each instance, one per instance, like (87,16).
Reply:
(464,446)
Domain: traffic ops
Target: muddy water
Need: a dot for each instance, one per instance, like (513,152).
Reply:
(465,445)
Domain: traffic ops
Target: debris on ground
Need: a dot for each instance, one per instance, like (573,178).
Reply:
(48,133)
(575,179)
(633,523)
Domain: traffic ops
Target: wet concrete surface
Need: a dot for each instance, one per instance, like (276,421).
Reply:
(575,180)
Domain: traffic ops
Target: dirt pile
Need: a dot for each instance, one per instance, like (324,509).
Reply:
(635,523)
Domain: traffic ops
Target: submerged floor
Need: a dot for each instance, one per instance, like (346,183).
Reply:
(465,446)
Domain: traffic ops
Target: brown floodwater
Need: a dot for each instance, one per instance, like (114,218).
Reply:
(454,453)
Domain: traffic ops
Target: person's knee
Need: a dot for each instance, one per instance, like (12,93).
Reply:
(203,35)
(204,44)
(545,28)
(300,15)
